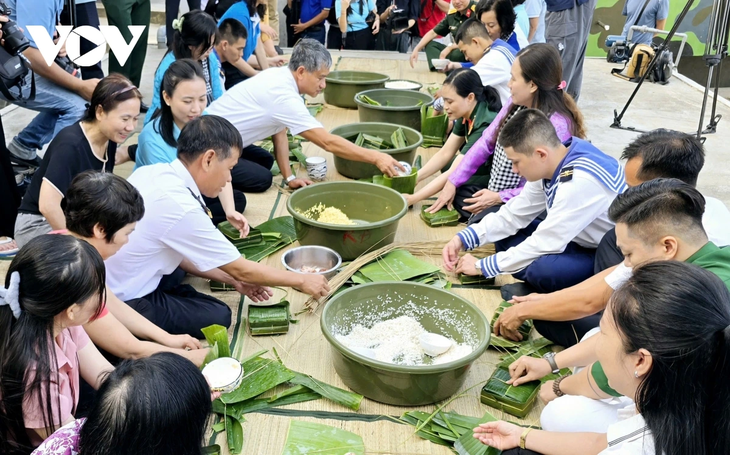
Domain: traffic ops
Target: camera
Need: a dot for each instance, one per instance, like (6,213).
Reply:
(398,19)
(618,49)
(15,41)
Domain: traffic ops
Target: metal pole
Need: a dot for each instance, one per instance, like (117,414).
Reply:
(716,50)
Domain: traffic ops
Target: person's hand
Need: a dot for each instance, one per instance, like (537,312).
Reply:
(482,199)
(526,369)
(315,285)
(181,342)
(388,165)
(122,155)
(279,60)
(467,266)
(451,66)
(87,87)
(534,297)
(500,435)
(450,253)
(299,28)
(239,222)
(269,30)
(299,183)
(445,53)
(445,199)
(546,392)
(508,323)
(197,356)
(414,58)
(376,25)
(253,291)
(213,395)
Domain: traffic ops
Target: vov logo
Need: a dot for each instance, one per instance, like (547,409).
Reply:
(105,34)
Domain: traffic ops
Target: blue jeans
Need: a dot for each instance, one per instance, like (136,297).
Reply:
(318,34)
(57,108)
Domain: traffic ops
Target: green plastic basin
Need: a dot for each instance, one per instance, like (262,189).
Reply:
(439,311)
(342,86)
(402,107)
(376,210)
(360,170)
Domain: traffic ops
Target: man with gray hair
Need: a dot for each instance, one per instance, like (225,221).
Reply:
(271,102)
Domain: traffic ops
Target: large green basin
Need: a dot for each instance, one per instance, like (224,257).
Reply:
(342,86)
(402,107)
(360,170)
(399,384)
(376,209)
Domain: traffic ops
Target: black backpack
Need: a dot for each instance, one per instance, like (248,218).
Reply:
(663,68)
(13,69)
(332,17)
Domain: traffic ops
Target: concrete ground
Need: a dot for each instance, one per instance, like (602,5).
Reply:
(676,106)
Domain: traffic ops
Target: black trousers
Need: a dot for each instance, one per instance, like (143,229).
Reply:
(608,253)
(10,199)
(334,38)
(172,7)
(568,333)
(362,40)
(86,14)
(467,192)
(252,173)
(178,308)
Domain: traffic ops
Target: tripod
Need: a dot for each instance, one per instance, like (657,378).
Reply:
(715,51)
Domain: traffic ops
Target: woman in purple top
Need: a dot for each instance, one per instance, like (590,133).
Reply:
(536,82)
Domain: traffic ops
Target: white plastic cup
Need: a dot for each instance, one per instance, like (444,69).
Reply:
(316,168)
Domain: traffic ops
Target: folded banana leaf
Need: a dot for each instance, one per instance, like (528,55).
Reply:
(469,445)
(433,89)
(478,280)
(443,217)
(259,375)
(277,233)
(418,163)
(501,342)
(433,127)
(445,428)
(512,400)
(398,265)
(217,335)
(315,438)
(269,319)
(398,138)
(531,348)
(234,435)
(215,449)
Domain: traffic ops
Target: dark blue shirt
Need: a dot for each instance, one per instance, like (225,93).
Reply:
(560,5)
(310,9)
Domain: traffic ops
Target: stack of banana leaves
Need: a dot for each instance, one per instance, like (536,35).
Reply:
(477,281)
(405,184)
(367,100)
(315,109)
(443,217)
(433,127)
(315,438)
(260,376)
(269,319)
(398,140)
(400,265)
(501,342)
(451,430)
(296,154)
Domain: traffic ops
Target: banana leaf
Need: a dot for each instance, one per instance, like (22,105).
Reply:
(359,278)
(531,348)
(366,99)
(524,329)
(332,393)
(433,128)
(211,355)
(283,226)
(234,435)
(315,109)
(315,438)
(469,445)
(259,375)
(215,449)
(360,140)
(269,319)
(403,184)
(445,428)
(260,404)
(418,163)
(512,400)
(218,335)
(399,139)
(423,433)
(398,265)
(478,280)
(297,389)
(433,89)
(443,217)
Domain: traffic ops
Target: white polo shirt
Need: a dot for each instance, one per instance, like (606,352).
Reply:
(264,105)
(174,227)
(630,435)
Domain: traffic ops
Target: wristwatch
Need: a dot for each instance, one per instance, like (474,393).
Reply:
(289,179)
(550,357)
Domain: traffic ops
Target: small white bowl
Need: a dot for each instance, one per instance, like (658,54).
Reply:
(440,63)
(434,344)
(224,374)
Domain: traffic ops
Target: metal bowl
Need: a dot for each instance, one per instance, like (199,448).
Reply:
(315,256)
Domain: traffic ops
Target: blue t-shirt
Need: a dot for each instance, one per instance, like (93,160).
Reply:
(310,9)
(656,10)
(152,149)
(35,12)
(239,11)
(522,21)
(356,20)
(537,8)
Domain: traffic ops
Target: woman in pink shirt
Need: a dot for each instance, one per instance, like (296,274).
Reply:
(54,285)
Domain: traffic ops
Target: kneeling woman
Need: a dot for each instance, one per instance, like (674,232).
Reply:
(535,83)
(473,108)
(184,98)
(665,341)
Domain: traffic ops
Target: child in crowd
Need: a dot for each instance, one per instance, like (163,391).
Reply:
(88,144)
(166,403)
(573,181)
(54,285)
(535,83)
(195,36)
(460,11)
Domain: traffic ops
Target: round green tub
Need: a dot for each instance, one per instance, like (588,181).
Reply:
(342,86)
(399,384)
(360,170)
(375,208)
(399,107)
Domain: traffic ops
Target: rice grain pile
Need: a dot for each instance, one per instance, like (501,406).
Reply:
(325,214)
(402,85)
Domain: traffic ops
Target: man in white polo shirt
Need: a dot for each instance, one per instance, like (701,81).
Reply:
(176,236)
(271,102)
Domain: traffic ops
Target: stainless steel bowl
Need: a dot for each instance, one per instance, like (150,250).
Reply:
(315,256)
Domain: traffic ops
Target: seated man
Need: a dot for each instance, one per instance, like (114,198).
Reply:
(230,44)
(492,60)
(460,11)
(103,209)
(278,98)
(666,154)
(565,316)
(176,236)
(60,98)
(652,14)
(575,182)
(657,220)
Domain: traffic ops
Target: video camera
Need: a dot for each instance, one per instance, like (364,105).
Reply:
(14,40)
